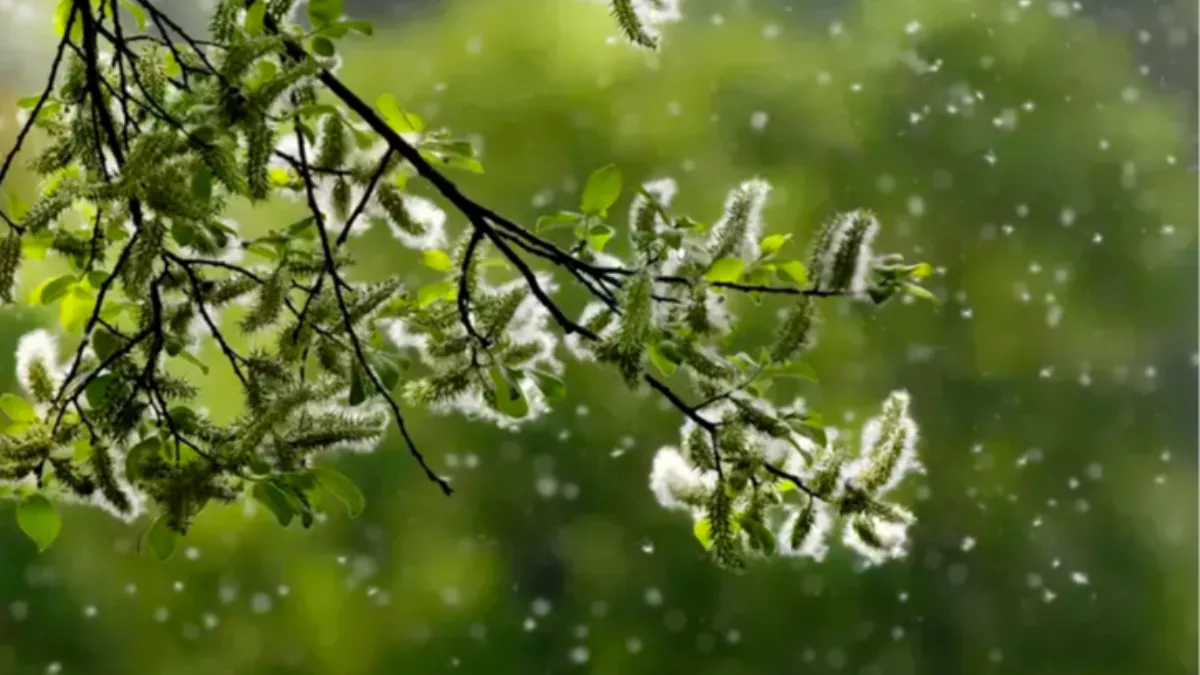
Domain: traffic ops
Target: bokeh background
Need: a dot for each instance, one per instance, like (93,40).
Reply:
(1042,154)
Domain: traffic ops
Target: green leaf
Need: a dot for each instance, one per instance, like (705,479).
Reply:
(324,12)
(339,485)
(358,385)
(442,290)
(323,46)
(726,270)
(254,17)
(920,271)
(702,529)
(771,245)
(190,358)
(660,361)
(170,65)
(183,232)
(17,408)
(920,292)
(100,390)
(556,221)
(601,191)
(797,369)
(24,103)
(361,27)
(396,117)
(139,14)
(550,385)
(76,308)
(140,455)
(51,289)
(162,538)
(509,399)
(387,368)
(105,343)
(599,236)
(465,163)
(436,260)
(271,496)
(794,270)
(62,13)
(39,520)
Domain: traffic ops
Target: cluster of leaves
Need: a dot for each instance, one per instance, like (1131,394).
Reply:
(152,134)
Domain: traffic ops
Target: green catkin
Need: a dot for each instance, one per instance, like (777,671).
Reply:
(260,142)
(392,202)
(269,303)
(631,24)
(136,271)
(10,264)
(845,260)
(797,335)
(341,199)
(335,146)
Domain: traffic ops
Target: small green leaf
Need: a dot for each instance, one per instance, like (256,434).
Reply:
(339,485)
(76,308)
(361,27)
(771,245)
(442,290)
(190,358)
(509,398)
(183,232)
(323,46)
(726,270)
(140,455)
(601,191)
(17,408)
(272,496)
(396,116)
(162,538)
(797,369)
(550,385)
(556,221)
(105,344)
(599,236)
(24,103)
(702,529)
(170,65)
(100,390)
(920,292)
(324,12)
(436,260)
(254,17)
(387,368)
(358,385)
(139,14)
(465,163)
(39,520)
(51,289)
(664,365)
(795,271)
(920,271)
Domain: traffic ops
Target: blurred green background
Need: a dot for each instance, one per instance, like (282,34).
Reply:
(1023,147)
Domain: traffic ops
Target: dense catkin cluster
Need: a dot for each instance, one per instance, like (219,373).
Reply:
(147,149)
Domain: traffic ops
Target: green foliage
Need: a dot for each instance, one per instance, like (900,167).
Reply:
(135,199)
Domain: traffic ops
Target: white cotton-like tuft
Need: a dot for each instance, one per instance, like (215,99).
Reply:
(741,226)
(38,346)
(427,214)
(860,283)
(893,538)
(814,544)
(675,483)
